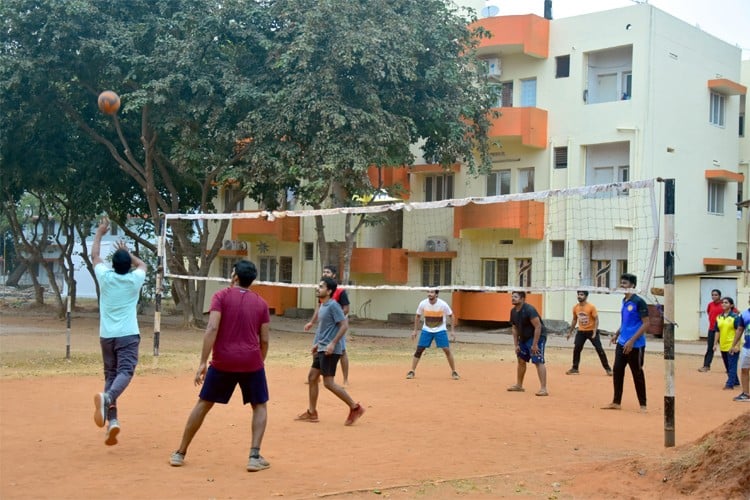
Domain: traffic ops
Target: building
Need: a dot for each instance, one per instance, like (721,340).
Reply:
(620,95)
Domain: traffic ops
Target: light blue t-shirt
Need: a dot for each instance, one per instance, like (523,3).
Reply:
(330,315)
(118,316)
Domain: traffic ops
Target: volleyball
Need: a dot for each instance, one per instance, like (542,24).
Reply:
(109,102)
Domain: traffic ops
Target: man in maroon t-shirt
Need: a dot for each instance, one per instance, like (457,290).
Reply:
(237,334)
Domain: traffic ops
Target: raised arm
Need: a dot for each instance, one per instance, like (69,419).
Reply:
(97,247)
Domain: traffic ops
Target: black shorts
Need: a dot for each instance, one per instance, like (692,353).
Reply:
(219,386)
(326,363)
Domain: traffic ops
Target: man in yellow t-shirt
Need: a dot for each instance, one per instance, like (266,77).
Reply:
(586,317)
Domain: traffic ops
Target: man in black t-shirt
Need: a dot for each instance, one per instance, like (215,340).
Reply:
(529,338)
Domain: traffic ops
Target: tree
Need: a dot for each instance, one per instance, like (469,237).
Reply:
(355,83)
(186,72)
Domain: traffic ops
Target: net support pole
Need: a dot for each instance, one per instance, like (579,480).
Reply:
(669,361)
(159,286)
(67,320)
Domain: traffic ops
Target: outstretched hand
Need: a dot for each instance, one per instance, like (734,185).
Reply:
(103,225)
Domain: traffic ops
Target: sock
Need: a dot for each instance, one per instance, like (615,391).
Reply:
(254,452)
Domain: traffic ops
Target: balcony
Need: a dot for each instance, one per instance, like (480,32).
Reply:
(488,306)
(283,229)
(391,176)
(526,216)
(278,298)
(527,34)
(392,263)
(527,124)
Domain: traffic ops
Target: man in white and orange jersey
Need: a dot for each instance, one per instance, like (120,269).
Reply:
(434,314)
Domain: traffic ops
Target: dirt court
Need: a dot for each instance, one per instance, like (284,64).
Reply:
(430,437)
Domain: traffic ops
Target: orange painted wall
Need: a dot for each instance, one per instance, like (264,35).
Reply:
(392,263)
(391,176)
(286,229)
(279,298)
(529,31)
(526,216)
(530,124)
(488,306)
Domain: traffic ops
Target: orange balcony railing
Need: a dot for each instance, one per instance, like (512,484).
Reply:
(284,229)
(488,306)
(278,298)
(392,263)
(528,124)
(391,176)
(526,216)
(527,34)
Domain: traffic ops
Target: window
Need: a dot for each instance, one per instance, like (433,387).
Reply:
(716,197)
(526,180)
(523,272)
(267,269)
(528,93)
(498,183)
(504,94)
(742,116)
(494,272)
(558,248)
(563,66)
(601,271)
(622,267)
(285,269)
(561,157)
(227,266)
(436,272)
(309,251)
(609,175)
(716,113)
(230,194)
(438,187)
(627,85)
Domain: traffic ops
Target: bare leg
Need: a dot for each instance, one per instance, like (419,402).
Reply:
(541,370)
(449,356)
(745,380)
(520,372)
(312,380)
(260,417)
(345,367)
(194,422)
(339,391)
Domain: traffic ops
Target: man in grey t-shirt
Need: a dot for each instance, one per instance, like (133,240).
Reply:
(326,350)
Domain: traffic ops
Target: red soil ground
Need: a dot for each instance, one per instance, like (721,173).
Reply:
(427,437)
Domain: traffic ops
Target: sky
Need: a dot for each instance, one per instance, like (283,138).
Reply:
(728,20)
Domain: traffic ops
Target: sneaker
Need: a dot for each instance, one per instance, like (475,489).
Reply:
(455,375)
(308,416)
(609,372)
(112,431)
(410,374)
(572,371)
(101,406)
(704,369)
(355,414)
(743,397)
(257,463)
(177,459)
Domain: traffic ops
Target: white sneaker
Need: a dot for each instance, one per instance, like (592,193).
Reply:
(112,431)
(256,464)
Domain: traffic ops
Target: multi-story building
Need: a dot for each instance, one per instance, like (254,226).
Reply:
(625,94)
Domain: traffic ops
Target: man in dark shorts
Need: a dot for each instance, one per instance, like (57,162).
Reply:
(237,337)
(529,337)
(342,298)
(326,350)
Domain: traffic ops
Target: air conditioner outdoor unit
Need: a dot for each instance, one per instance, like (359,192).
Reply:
(235,245)
(228,244)
(436,244)
(494,68)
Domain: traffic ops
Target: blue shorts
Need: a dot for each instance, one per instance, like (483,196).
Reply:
(426,338)
(524,350)
(219,386)
(326,363)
